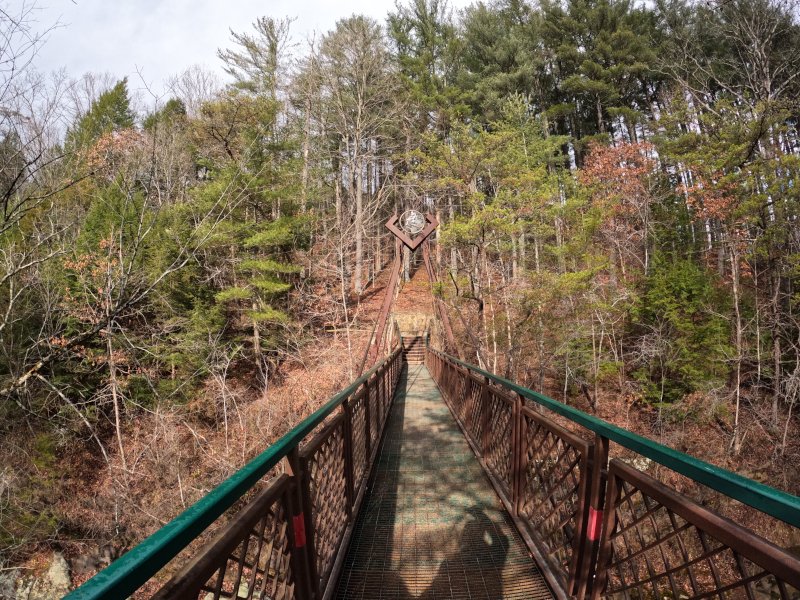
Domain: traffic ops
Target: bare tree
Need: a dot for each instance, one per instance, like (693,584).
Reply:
(194,87)
(83,91)
(361,99)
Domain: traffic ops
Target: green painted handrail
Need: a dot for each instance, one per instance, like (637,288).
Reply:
(126,575)
(779,504)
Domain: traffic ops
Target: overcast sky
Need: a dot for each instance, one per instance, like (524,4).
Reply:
(162,38)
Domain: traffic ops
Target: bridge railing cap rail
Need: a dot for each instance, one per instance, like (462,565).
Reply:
(774,502)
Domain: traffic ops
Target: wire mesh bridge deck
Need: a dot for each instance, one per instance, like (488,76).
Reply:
(431,525)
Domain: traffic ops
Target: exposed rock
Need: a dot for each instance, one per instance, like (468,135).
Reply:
(53,585)
(412,323)
(641,463)
(8,581)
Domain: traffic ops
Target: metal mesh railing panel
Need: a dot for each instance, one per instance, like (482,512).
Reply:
(358,425)
(473,419)
(499,451)
(260,566)
(553,491)
(374,416)
(658,544)
(249,558)
(327,489)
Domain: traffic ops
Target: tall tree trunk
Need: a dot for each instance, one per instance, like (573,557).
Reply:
(453,254)
(601,126)
(359,225)
(337,190)
(256,335)
(115,396)
(306,153)
(776,347)
(737,434)
(438,243)
(562,266)
(514,264)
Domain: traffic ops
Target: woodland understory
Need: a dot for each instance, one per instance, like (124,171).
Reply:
(183,278)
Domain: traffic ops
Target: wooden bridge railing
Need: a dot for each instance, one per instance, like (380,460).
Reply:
(284,542)
(601,527)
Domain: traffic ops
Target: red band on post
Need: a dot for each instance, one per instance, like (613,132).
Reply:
(595,518)
(299,531)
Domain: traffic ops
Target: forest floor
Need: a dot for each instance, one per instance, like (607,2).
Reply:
(415,294)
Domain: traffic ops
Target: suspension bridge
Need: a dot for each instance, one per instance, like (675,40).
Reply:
(428,477)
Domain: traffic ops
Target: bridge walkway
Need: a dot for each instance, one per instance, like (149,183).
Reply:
(431,526)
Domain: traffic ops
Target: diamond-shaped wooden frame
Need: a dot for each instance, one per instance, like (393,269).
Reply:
(413,244)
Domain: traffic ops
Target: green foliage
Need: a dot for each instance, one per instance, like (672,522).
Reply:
(269,315)
(683,339)
(604,62)
(233,294)
(254,173)
(502,58)
(267,265)
(428,51)
(173,112)
(255,61)
(109,113)
(270,286)
(30,517)
(113,215)
(285,232)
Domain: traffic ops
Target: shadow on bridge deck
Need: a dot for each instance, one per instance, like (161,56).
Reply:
(431,526)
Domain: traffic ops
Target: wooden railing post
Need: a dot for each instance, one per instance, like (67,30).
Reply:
(387,389)
(300,515)
(384,393)
(460,396)
(399,367)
